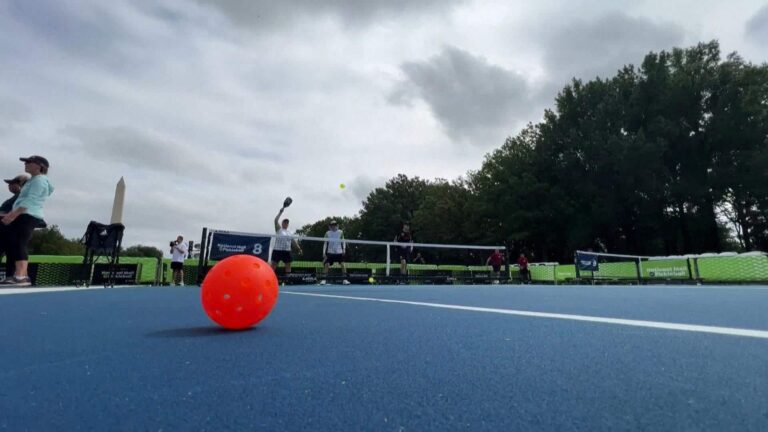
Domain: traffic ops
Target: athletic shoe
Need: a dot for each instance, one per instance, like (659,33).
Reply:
(322,282)
(346,282)
(14,281)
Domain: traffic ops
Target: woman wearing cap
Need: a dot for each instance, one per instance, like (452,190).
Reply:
(26,215)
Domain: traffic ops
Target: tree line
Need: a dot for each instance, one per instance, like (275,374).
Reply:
(51,241)
(667,158)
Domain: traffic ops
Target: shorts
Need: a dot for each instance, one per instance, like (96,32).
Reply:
(405,254)
(496,267)
(177,265)
(330,259)
(281,255)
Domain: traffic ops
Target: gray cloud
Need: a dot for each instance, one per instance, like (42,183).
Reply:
(600,46)
(12,114)
(757,26)
(258,14)
(168,157)
(466,93)
(137,149)
(87,30)
(361,186)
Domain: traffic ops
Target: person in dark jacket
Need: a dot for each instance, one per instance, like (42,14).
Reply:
(14,187)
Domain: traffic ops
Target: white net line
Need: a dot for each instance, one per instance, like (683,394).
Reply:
(605,254)
(367,242)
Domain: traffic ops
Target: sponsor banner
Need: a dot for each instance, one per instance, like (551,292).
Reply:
(123,274)
(298,276)
(359,276)
(224,245)
(482,278)
(586,261)
(437,277)
(669,272)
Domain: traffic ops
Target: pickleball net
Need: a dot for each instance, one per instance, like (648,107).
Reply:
(365,261)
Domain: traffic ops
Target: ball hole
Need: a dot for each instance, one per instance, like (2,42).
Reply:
(239,308)
(227,296)
(259,298)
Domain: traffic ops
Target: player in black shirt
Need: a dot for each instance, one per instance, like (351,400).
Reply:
(404,250)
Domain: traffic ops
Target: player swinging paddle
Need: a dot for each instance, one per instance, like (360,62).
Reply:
(282,249)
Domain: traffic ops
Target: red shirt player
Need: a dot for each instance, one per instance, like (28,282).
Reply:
(522,262)
(495,261)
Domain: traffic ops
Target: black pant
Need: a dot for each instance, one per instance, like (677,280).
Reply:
(18,234)
(10,265)
(525,275)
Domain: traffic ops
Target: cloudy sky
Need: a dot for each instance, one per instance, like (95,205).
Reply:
(214,110)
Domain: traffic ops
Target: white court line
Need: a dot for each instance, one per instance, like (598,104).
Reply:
(28,290)
(729,331)
(6,291)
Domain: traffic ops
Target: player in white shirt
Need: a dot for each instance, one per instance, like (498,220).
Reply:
(178,255)
(333,250)
(282,249)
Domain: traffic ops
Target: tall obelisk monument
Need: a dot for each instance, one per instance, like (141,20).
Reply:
(117,205)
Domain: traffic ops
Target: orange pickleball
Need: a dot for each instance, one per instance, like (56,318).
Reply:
(239,291)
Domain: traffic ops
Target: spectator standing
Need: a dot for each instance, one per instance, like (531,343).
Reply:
(178,255)
(26,214)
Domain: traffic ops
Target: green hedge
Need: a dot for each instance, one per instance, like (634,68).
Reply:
(62,270)
(713,269)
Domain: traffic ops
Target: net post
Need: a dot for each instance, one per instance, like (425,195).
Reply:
(201,257)
(208,248)
(164,270)
(388,260)
(159,271)
(696,269)
(639,268)
(507,251)
(690,269)
(554,274)
(576,264)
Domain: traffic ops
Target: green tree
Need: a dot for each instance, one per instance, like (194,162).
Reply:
(50,241)
(509,204)
(142,251)
(385,209)
(737,131)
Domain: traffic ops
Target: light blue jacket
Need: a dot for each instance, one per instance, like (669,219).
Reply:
(33,195)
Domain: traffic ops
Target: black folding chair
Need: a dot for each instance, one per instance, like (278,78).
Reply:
(102,240)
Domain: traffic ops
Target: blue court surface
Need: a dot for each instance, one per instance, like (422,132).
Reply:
(390,358)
